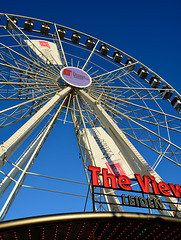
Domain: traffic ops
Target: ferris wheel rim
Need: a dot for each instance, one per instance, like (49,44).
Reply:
(135,61)
(92,37)
(99,94)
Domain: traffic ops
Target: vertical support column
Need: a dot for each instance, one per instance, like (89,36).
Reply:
(131,154)
(29,160)
(93,200)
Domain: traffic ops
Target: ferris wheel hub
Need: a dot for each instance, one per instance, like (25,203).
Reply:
(76,77)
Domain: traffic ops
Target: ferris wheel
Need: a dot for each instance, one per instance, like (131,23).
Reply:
(50,73)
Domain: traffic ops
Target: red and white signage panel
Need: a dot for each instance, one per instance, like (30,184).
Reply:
(106,153)
(46,50)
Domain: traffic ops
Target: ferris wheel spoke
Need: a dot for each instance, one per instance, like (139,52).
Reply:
(168,152)
(143,134)
(130,93)
(26,74)
(27,159)
(139,111)
(60,48)
(135,113)
(12,57)
(24,91)
(21,83)
(30,53)
(113,130)
(158,118)
(22,39)
(21,111)
(121,114)
(24,71)
(45,96)
(67,106)
(92,52)
(25,83)
(12,144)
(88,113)
(155,124)
(113,75)
(156,142)
(149,138)
(133,89)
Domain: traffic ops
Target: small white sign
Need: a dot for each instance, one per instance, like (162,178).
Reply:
(46,50)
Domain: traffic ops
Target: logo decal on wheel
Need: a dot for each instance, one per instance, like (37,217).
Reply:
(67,72)
(75,77)
(44,44)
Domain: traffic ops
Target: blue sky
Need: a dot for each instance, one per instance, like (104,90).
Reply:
(147,30)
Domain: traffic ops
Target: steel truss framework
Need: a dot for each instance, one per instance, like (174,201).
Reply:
(120,99)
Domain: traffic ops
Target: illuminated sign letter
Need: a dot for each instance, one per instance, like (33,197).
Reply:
(144,185)
(175,189)
(154,185)
(106,177)
(124,182)
(164,188)
(95,171)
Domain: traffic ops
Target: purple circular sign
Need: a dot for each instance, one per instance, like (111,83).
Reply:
(75,77)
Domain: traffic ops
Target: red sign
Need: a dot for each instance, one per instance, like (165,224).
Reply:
(124,183)
(44,44)
(67,72)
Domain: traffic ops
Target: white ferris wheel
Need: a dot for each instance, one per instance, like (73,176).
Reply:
(54,75)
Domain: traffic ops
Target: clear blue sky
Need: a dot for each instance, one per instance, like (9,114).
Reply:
(147,30)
